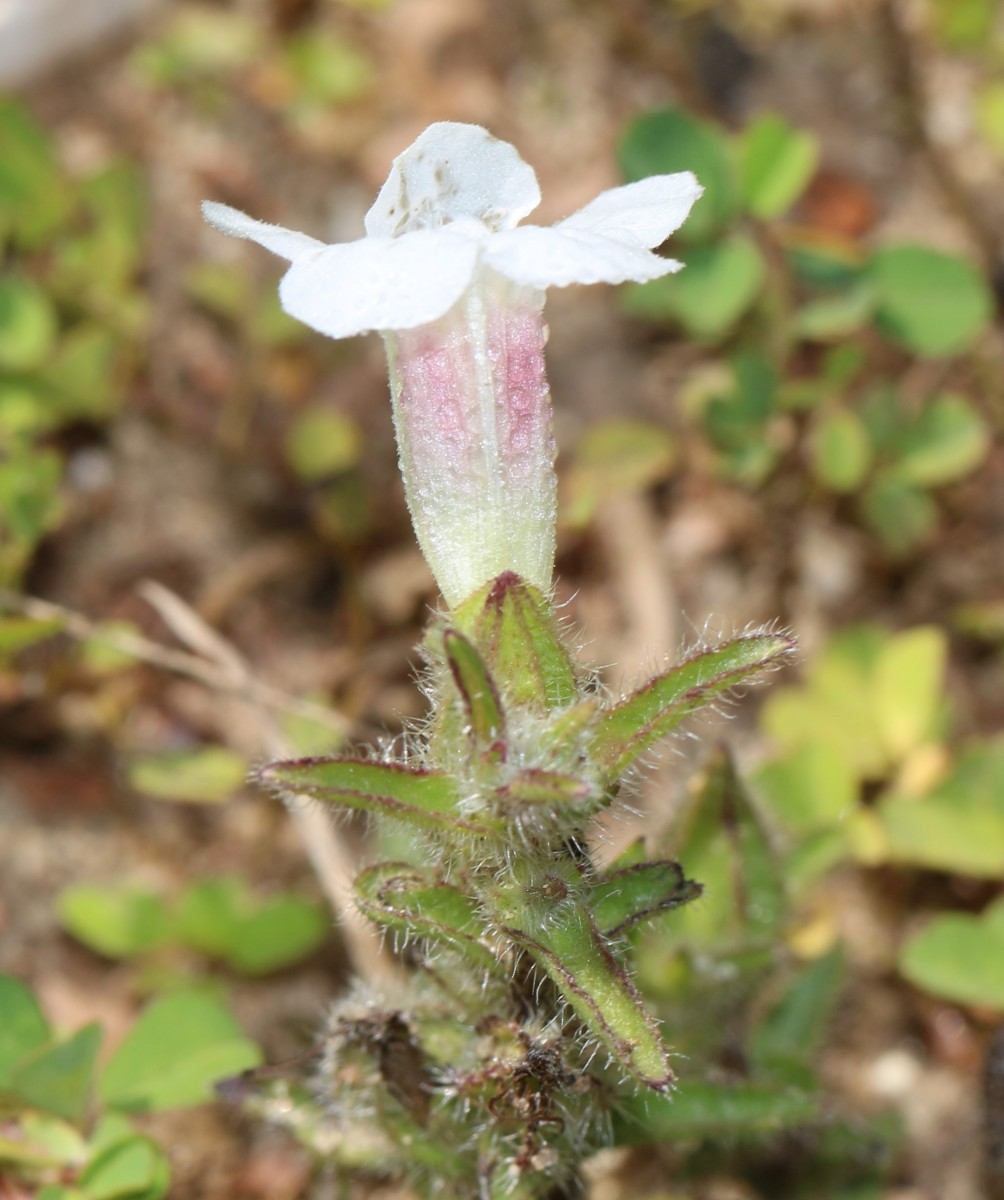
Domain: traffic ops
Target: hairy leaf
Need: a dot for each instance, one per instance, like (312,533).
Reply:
(561,937)
(424,798)
(622,898)
(404,898)
(624,733)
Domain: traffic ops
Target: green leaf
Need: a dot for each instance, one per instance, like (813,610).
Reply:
(948,440)
(202,41)
(220,918)
(612,458)
(29,495)
(959,957)
(735,419)
(840,450)
(903,516)
(717,285)
(43,1141)
(323,442)
(622,898)
(103,653)
(959,825)
(713,1110)
(83,378)
(409,900)
(35,197)
(990,114)
(909,687)
(57,1079)
(934,304)
(482,707)
(277,933)
(623,734)
(832,318)
(428,799)
(23,1027)
(809,788)
(562,938)
(738,422)
(513,627)
(721,838)
(836,703)
(206,775)
(669,140)
(27,325)
(794,1027)
(116,920)
(326,69)
(776,163)
(180,1046)
(209,914)
(131,1169)
(823,262)
(964,24)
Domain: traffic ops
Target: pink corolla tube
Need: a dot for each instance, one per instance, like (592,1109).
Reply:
(456,287)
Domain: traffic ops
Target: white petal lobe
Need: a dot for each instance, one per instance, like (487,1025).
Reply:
(379,283)
(642,214)
(287,243)
(454,172)
(543,258)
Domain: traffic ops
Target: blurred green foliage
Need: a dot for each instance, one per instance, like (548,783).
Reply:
(771,299)
(217,918)
(750,1015)
(72,317)
(66,1132)
(203,50)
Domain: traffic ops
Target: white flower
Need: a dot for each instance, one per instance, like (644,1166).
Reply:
(455,284)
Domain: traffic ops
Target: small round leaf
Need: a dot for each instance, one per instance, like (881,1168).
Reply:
(932,303)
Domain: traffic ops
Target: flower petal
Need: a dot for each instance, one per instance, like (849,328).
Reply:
(379,283)
(454,172)
(555,257)
(642,214)
(287,243)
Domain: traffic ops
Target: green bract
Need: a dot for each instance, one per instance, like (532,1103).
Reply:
(503,904)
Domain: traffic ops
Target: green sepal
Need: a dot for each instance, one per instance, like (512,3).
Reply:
(513,626)
(406,899)
(480,698)
(622,898)
(623,733)
(427,799)
(535,787)
(565,733)
(560,935)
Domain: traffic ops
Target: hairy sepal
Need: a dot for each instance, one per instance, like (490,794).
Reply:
(624,733)
(423,798)
(485,717)
(513,627)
